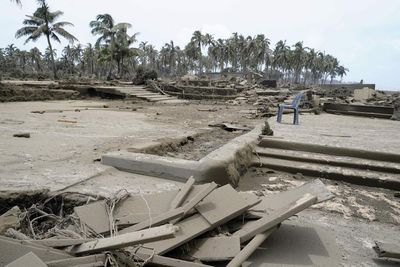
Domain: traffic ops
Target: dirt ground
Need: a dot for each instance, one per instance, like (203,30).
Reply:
(69,137)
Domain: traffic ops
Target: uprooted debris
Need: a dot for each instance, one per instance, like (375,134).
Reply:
(197,223)
(22,135)
(387,250)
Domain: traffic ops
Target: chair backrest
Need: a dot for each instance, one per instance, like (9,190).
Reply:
(296,100)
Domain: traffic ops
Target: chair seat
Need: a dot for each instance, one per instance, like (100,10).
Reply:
(287,106)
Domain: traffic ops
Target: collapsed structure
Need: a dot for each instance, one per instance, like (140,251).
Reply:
(206,222)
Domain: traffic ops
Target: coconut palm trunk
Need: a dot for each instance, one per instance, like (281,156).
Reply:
(53,62)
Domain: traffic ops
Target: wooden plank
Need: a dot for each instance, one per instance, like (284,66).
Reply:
(29,259)
(215,248)
(271,220)
(196,225)
(182,194)
(172,215)
(246,252)
(94,260)
(158,220)
(270,203)
(387,250)
(200,196)
(189,229)
(222,205)
(11,249)
(58,243)
(130,211)
(125,240)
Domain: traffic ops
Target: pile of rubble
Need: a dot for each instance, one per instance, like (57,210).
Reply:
(198,225)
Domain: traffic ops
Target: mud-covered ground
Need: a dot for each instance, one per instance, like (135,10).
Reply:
(368,203)
(69,137)
(197,146)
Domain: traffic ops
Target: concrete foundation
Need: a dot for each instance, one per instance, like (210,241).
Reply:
(224,165)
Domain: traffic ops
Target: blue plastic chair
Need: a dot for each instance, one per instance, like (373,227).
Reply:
(294,105)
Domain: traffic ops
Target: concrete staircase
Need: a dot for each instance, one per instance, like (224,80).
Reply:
(140,92)
(358,170)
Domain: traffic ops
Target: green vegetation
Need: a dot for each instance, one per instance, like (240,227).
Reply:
(114,55)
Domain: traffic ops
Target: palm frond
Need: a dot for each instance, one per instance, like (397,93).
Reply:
(33,20)
(25,31)
(65,34)
(39,31)
(55,37)
(121,26)
(62,24)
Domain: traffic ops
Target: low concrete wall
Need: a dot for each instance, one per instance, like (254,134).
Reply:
(337,151)
(351,86)
(224,165)
(197,92)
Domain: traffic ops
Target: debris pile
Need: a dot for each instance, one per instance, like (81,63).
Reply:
(198,225)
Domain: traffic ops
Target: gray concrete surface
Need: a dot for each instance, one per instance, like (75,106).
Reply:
(61,153)
(341,131)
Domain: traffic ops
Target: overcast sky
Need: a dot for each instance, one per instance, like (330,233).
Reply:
(363,34)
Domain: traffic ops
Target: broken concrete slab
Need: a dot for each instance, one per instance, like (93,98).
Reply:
(10,219)
(124,240)
(29,259)
(387,250)
(91,260)
(11,249)
(363,94)
(220,248)
(251,229)
(273,202)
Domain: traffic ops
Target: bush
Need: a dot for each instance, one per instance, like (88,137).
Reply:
(143,74)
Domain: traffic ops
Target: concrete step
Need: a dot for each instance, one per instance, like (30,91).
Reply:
(160,99)
(350,175)
(332,160)
(155,96)
(269,142)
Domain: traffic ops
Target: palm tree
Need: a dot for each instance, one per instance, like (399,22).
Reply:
(18,2)
(341,71)
(43,22)
(36,58)
(109,32)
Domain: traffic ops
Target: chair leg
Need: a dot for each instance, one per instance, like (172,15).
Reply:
(279,117)
(296,117)
(277,113)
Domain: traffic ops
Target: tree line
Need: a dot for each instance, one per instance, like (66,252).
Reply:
(114,55)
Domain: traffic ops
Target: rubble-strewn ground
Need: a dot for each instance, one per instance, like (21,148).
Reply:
(68,139)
